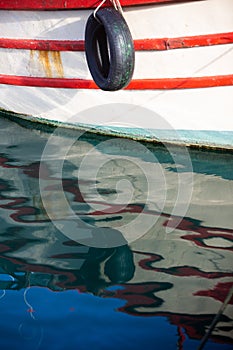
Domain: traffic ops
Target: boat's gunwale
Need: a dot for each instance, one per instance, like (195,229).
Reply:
(74,4)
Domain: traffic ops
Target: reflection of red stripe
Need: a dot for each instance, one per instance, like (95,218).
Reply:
(219,292)
(137,84)
(68,4)
(140,45)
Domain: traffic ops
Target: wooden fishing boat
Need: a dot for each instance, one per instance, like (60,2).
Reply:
(176,84)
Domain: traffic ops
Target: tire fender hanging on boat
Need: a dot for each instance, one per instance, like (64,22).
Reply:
(109,49)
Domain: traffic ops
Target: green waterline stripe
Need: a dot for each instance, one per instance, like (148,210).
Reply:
(189,138)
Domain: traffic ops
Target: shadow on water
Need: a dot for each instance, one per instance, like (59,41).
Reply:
(173,281)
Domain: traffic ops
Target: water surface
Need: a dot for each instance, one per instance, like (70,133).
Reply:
(108,243)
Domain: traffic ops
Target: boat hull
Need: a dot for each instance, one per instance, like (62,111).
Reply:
(182,85)
(70,4)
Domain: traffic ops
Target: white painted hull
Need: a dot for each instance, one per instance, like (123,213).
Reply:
(200,115)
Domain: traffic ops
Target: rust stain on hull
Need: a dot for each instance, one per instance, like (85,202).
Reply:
(56,57)
(50,61)
(45,63)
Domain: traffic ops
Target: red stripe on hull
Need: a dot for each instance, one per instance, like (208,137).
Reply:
(184,42)
(71,4)
(140,45)
(139,84)
(43,45)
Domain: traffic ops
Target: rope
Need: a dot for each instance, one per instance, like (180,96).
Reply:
(116,4)
(3,291)
(216,319)
(27,303)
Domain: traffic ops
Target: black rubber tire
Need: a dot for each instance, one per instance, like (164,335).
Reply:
(109,50)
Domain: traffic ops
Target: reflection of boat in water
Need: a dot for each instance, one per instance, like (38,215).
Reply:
(183,275)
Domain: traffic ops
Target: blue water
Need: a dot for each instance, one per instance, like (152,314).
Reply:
(106,243)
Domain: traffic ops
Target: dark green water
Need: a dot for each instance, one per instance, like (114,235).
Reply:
(109,243)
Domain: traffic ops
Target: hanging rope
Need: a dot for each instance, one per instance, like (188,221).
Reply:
(116,4)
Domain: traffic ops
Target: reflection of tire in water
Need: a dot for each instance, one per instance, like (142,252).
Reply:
(118,268)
